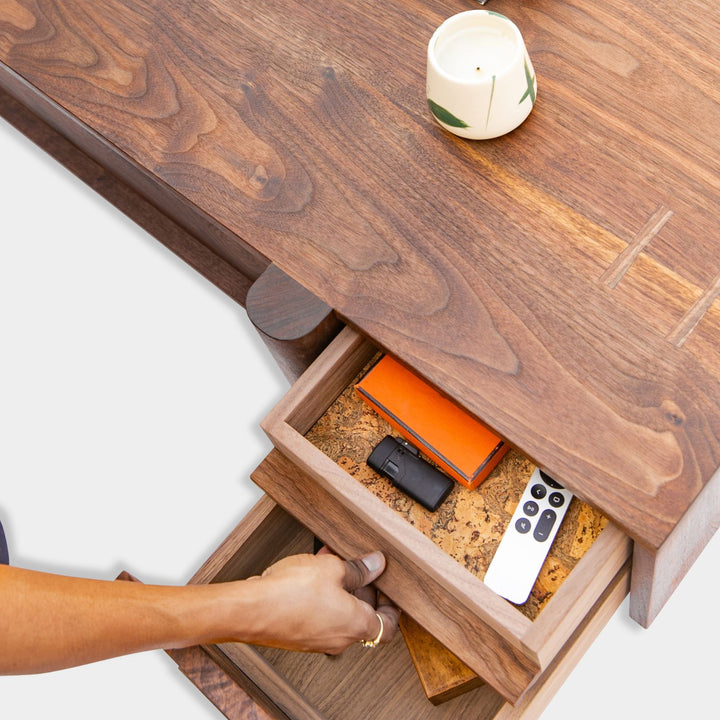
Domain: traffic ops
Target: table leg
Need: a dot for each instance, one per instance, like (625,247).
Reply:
(294,324)
(656,574)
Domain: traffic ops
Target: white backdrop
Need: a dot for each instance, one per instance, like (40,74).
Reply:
(131,392)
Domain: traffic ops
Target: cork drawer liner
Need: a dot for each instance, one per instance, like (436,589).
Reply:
(436,561)
(359,684)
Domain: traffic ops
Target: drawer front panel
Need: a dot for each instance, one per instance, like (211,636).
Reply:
(479,646)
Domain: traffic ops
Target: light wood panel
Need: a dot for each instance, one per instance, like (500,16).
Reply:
(442,674)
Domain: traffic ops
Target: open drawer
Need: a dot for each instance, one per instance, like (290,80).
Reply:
(381,684)
(505,647)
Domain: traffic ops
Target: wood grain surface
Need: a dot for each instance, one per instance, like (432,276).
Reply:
(560,282)
(500,658)
(221,688)
(381,684)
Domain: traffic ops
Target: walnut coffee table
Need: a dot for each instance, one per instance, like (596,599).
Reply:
(560,282)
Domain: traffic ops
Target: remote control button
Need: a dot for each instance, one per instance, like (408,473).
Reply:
(522,526)
(549,481)
(531,508)
(545,525)
(556,499)
(538,492)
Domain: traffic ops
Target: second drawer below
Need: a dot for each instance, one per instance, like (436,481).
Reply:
(359,684)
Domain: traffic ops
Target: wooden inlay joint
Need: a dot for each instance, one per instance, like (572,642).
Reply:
(692,317)
(612,276)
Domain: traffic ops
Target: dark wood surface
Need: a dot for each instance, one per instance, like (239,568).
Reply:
(560,282)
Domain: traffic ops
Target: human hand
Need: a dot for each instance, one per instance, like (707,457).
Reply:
(320,603)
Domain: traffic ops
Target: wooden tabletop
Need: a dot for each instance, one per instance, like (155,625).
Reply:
(560,282)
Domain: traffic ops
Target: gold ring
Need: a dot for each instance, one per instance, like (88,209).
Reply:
(376,641)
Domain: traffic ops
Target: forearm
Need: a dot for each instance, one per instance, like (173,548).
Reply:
(303,602)
(50,622)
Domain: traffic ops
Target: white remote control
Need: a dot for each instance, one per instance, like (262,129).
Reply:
(524,546)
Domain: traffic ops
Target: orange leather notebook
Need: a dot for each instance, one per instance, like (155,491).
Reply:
(463,447)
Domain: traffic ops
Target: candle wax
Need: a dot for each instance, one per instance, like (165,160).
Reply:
(475,53)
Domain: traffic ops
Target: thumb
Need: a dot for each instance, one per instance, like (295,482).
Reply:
(362,571)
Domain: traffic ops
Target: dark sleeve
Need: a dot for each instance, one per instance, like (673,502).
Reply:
(4,559)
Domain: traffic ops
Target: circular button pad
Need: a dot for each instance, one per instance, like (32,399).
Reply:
(545,523)
(550,482)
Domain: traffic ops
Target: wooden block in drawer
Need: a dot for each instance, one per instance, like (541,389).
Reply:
(442,675)
(507,649)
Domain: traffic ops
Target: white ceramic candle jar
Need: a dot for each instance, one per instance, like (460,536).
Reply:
(480,81)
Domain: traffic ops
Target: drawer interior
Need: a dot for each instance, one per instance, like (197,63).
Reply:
(469,525)
(360,683)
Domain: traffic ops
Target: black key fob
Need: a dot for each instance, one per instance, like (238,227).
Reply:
(400,462)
